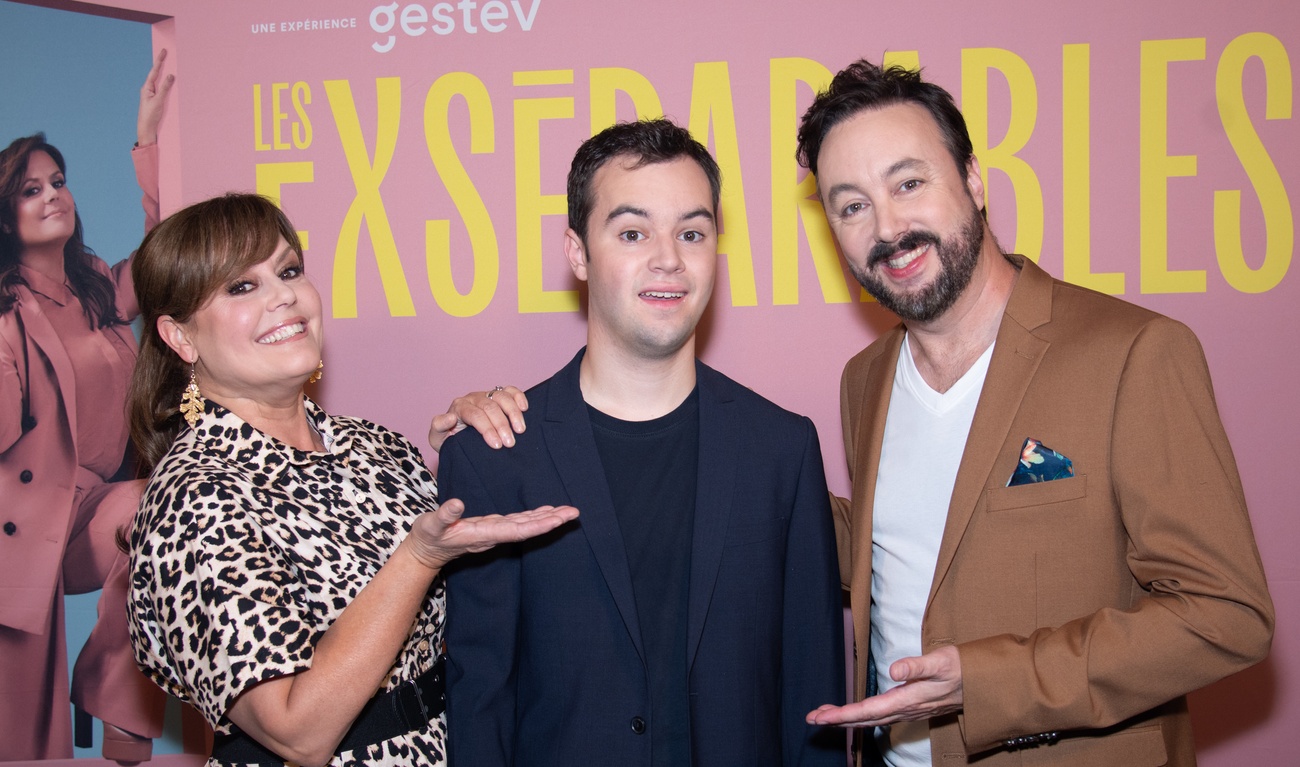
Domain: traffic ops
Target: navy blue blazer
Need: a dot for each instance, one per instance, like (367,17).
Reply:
(544,647)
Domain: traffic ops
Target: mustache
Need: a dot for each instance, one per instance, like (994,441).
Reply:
(883,251)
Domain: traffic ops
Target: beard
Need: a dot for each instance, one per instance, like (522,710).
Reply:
(957,257)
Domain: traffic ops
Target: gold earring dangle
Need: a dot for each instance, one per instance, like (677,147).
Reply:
(316,374)
(192,400)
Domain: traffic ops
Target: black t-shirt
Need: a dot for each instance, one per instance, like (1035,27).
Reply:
(652,467)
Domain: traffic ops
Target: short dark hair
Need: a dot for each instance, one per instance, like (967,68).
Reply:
(861,86)
(646,141)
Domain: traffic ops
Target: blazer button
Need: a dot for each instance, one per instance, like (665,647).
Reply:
(10,528)
(26,476)
(638,725)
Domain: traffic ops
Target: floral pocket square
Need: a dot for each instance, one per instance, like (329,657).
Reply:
(1040,463)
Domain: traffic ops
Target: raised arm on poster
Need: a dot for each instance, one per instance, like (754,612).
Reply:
(300,658)
(153,101)
(66,354)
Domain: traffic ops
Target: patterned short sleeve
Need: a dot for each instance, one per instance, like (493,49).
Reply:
(225,610)
(247,550)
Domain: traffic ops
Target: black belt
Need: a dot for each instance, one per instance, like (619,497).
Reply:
(408,707)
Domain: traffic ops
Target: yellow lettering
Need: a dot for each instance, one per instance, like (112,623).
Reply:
(437,233)
(1156,166)
(1259,167)
(259,143)
(711,103)
(302,128)
(1076,176)
(368,204)
(272,176)
(278,116)
(975,66)
(530,204)
(607,82)
(794,200)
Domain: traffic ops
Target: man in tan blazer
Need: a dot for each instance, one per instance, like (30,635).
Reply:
(1047,544)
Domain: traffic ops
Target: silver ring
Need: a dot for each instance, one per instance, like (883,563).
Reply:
(495,389)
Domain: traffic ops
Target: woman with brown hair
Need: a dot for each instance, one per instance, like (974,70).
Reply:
(66,353)
(285,562)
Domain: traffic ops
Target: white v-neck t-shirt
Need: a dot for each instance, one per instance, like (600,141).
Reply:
(925,436)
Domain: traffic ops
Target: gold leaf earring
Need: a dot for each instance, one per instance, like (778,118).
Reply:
(316,374)
(192,401)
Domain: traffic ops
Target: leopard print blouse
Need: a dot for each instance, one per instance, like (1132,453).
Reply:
(246,550)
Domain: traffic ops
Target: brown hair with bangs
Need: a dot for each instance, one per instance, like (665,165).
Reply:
(94,289)
(181,264)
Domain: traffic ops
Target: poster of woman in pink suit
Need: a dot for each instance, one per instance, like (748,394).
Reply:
(66,355)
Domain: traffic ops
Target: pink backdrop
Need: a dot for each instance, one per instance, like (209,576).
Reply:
(1145,149)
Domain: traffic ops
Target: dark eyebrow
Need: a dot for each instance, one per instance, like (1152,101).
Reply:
(704,213)
(843,188)
(285,254)
(626,210)
(631,210)
(907,163)
(39,180)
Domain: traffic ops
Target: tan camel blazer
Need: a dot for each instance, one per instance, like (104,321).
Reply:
(1086,606)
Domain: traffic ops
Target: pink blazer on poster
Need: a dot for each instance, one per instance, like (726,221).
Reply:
(38,469)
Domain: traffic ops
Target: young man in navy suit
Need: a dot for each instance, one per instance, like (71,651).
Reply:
(692,616)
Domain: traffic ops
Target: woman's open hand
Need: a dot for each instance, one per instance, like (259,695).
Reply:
(438,537)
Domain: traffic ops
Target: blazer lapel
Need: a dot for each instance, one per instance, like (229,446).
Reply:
(868,439)
(42,335)
(573,450)
(1016,356)
(715,485)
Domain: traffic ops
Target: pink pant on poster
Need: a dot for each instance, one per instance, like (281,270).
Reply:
(35,694)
